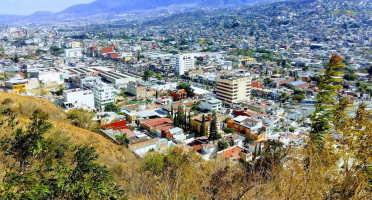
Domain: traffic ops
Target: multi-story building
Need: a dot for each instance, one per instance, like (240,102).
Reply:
(103,95)
(15,86)
(232,90)
(250,126)
(184,63)
(139,91)
(77,98)
(210,104)
(74,53)
(178,94)
(197,122)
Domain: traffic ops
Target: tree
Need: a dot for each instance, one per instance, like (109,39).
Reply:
(267,81)
(122,93)
(351,77)
(187,88)
(213,129)
(329,84)
(147,75)
(222,145)
(16,59)
(298,97)
(81,118)
(370,71)
(111,107)
(202,126)
(248,140)
(159,77)
(55,51)
(122,139)
(40,168)
(228,130)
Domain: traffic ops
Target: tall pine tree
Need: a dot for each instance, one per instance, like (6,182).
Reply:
(202,126)
(213,127)
(328,86)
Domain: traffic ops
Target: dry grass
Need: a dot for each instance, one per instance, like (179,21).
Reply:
(26,105)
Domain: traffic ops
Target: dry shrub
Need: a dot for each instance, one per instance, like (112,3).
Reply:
(28,108)
(7,101)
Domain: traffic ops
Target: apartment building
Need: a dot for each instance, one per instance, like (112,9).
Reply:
(232,90)
(103,95)
(184,63)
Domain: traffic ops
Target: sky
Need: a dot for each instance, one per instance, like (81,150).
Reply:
(27,7)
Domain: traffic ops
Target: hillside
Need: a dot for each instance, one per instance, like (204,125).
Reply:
(113,156)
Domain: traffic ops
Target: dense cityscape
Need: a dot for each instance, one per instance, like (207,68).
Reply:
(253,87)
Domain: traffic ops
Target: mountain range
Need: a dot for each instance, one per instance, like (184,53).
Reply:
(105,8)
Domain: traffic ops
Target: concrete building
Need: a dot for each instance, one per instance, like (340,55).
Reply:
(15,86)
(233,90)
(47,76)
(77,98)
(210,104)
(119,78)
(184,63)
(74,53)
(139,91)
(103,95)
(249,126)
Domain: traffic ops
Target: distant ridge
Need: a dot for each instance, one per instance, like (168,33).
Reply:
(112,7)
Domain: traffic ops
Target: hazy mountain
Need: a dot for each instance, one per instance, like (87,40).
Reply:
(122,6)
(103,8)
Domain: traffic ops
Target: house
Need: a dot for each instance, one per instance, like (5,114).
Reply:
(117,126)
(16,86)
(249,126)
(236,153)
(160,125)
(108,117)
(177,134)
(157,144)
(210,104)
(178,94)
(202,146)
(196,124)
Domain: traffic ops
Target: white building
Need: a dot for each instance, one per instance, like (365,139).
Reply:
(184,63)
(103,95)
(77,98)
(178,134)
(211,104)
(119,78)
(47,77)
(74,53)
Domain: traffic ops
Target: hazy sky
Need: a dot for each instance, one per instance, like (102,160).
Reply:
(26,7)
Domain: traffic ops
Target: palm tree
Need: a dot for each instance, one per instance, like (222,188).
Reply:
(122,139)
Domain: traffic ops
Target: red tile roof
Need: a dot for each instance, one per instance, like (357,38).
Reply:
(107,50)
(286,81)
(257,84)
(114,55)
(162,124)
(120,125)
(232,153)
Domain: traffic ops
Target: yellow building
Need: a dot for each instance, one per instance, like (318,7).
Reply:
(16,86)
(247,60)
(197,122)
(232,90)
